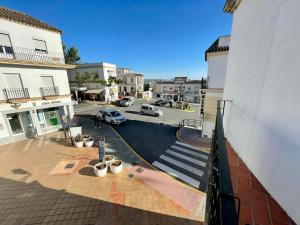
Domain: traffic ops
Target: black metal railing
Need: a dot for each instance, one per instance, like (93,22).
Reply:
(27,54)
(16,93)
(220,203)
(49,91)
(190,123)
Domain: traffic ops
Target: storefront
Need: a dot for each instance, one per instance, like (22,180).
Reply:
(33,119)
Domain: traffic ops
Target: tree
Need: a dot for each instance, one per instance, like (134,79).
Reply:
(71,55)
(112,80)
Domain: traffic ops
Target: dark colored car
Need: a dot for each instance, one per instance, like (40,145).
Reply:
(161,102)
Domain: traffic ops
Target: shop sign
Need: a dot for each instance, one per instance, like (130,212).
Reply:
(52,102)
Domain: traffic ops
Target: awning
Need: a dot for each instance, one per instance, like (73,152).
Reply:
(94,91)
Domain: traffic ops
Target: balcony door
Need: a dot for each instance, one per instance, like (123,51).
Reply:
(6,50)
(13,81)
(48,86)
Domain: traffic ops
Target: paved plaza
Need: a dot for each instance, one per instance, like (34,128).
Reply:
(47,181)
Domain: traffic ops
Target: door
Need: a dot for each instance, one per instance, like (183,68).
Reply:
(27,124)
(15,123)
(108,117)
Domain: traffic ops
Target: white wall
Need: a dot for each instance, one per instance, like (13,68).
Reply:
(104,70)
(216,70)
(263,77)
(22,36)
(31,79)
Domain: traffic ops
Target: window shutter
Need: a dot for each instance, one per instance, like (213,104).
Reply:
(4,40)
(13,81)
(47,81)
(41,45)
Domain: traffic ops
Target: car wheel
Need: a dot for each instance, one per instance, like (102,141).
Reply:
(112,122)
(157,115)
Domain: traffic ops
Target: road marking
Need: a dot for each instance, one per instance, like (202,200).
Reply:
(182,165)
(187,145)
(85,109)
(190,152)
(177,174)
(198,162)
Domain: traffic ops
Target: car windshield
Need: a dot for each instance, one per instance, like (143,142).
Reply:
(115,113)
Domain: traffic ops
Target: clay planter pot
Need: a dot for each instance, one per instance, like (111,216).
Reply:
(116,166)
(100,169)
(108,159)
(89,142)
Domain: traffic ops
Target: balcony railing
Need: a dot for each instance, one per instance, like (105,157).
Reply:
(49,91)
(190,123)
(16,93)
(221,202)
(26,54)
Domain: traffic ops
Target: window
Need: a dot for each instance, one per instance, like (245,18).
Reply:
(40,46)
(5,44)
(13,81)
(49,117)
(131,80)
(145,107)
(47,81)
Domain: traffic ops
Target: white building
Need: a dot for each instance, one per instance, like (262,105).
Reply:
(35,93)
(216,56)
(98,71)
(179,89)
(133,83)
(263,121)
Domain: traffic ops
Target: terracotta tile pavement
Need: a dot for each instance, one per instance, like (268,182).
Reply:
(30,195)
(257,205)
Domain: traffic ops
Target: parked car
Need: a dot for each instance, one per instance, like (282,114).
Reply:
(113,117)
(127,101)
(161,102)
(150,110)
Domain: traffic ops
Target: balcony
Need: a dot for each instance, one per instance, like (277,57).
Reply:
(31,55)
(16,94)
(49,92)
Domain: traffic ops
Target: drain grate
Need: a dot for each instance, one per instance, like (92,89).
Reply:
(134,163)
(130,175)
(69,166)
(139,170)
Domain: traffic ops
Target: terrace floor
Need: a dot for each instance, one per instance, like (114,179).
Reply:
(47,181)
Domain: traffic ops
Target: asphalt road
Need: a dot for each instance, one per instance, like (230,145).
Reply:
(154,139)
(149,136)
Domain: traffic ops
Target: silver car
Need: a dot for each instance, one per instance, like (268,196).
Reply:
(150,110)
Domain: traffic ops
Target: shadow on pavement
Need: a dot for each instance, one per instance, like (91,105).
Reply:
(32,203)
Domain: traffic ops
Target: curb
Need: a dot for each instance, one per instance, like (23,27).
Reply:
(154,168)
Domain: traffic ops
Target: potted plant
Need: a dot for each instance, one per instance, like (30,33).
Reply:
(88,142)
(78,141)
(108,159)
(100,169)
(85,136)
(116,166)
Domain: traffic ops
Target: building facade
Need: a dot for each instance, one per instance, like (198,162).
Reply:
(132,83)
(179,89)
(262,81)
(35,95)
(216,57)
(94,87)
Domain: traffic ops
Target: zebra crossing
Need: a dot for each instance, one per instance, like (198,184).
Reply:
(186,163)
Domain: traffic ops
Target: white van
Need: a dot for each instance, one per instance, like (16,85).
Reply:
(150,110)
(127,101)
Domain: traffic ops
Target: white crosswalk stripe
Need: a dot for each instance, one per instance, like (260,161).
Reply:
(187,145)
(182,165)
(186,158)
(185,162)
(177,174)
(190,152)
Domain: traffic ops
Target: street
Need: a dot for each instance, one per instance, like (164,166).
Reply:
(154,139)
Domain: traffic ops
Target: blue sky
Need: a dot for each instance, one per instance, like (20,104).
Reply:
(159,38)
